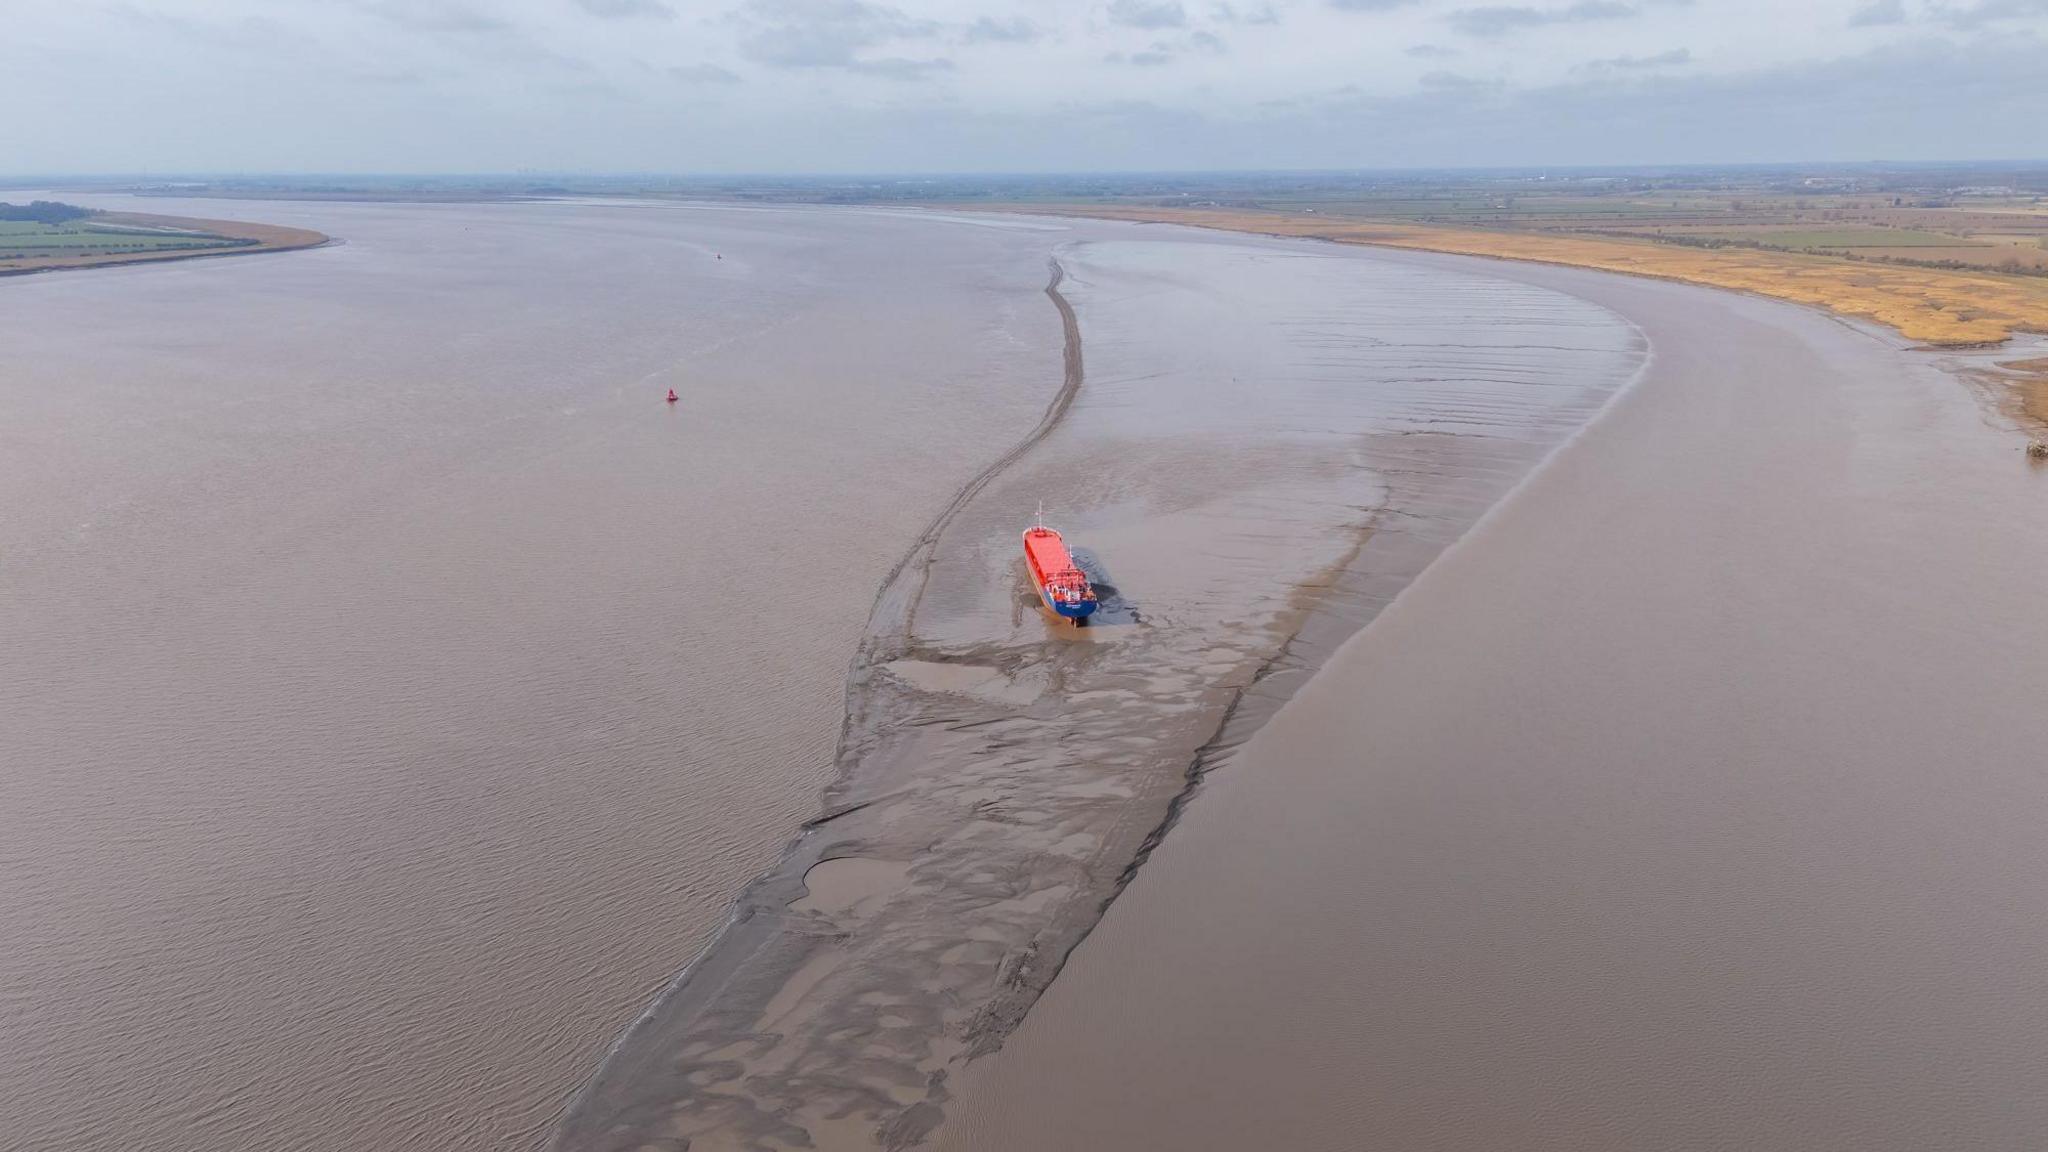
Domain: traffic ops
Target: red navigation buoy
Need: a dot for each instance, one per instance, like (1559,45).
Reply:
(671,395)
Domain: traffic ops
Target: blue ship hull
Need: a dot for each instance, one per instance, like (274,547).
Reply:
(1075,611)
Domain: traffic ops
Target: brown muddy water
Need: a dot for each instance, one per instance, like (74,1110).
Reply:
(397,692)
(1264,442)
(1691,801)
(400,694)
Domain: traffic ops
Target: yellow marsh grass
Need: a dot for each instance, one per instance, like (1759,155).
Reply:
(1933,306)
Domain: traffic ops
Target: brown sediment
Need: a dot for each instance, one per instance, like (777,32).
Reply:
(1001,779)
(703,1059)
(409,568)
(1939,307)
(2016,389)
(259,237)
(2030,386)
(1690,802)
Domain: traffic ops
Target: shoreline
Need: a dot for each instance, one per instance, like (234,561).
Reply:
(267,237)
(1891,291)
(2018,389)
(1397,1018)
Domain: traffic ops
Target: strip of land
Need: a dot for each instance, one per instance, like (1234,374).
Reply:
(1938,307)
(114,238)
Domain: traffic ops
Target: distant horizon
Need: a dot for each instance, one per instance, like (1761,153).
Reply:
(31,179)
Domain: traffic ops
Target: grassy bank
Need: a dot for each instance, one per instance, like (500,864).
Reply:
(1936,306)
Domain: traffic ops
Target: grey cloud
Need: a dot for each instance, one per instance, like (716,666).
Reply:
(1229,14)
(627,9)
(1148,13)
(896,68)
(1208,42)
(1500,20)
(1151,57)
(395,78)
(1659,60)
(440,17)
(1370,5)
(428,86)
(248,35)
(1969,17)
(1967,100)
(1453,82)
(827,33)
(1972,100)
(1016,30)
(1878,12)
(468,31)
(704,74)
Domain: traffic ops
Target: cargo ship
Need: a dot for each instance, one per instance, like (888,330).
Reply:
(1061,583)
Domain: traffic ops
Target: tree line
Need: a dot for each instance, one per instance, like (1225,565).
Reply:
(43,212)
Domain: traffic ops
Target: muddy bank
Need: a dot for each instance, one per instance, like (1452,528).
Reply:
(1691,802)
(2014,378)
(1267,445)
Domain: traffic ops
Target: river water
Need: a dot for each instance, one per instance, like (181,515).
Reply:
(1265,442)
(401,694)
(1691,801)
(397,690)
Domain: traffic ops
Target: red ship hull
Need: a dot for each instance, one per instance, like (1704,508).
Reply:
(1061,584)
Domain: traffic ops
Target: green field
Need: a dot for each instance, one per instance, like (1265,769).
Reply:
(28,239)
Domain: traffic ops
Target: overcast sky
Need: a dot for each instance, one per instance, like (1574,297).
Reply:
(990,85)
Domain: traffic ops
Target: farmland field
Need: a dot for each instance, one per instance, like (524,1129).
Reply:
(127,238)
(23,239)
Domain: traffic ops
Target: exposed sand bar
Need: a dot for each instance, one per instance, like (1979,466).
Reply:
(1692,801)
(1267,441)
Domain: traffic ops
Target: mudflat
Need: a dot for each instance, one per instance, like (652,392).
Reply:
(402,692)
(1257,445)
(1690,801)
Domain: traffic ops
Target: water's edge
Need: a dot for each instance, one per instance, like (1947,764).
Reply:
(833,1026)
(745,932)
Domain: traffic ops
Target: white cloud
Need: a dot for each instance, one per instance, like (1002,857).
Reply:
(627,9)
(1149,14)
(1878,13)
(1503,19)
